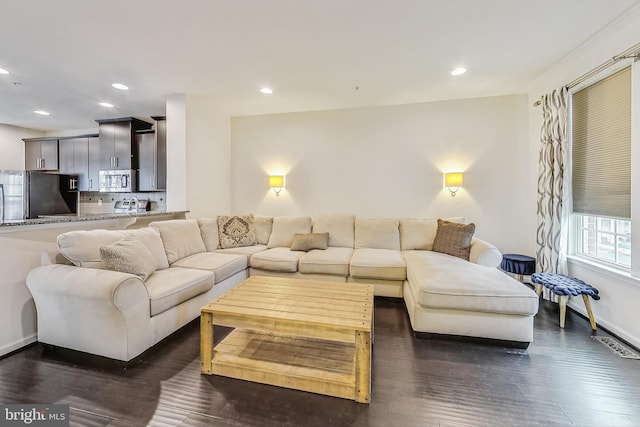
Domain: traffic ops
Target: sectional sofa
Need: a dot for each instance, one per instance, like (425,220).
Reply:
(166,272)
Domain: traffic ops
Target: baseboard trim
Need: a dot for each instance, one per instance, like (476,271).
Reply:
(17,345)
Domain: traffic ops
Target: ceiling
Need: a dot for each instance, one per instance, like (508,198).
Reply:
(64,55)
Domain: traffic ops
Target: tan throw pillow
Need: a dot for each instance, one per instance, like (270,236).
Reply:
(236,231)
(128,255)
(454,239)
(306,242)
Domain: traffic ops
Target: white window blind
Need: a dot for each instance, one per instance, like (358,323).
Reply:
(601,138)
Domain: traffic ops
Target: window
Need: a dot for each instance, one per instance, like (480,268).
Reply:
(604,239)
(601,169)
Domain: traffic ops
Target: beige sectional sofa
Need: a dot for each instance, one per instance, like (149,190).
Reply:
(119,315)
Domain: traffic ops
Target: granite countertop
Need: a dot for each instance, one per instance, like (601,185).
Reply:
(57,219)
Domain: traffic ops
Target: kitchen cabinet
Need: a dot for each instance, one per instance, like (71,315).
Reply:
(40,153)
(118,149)
(152,153)
(81,156)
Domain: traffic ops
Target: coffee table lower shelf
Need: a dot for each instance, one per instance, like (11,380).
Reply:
(314,365)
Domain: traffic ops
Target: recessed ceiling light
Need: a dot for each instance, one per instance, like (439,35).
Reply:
(106,104)
(120,86)
(3,71)
(266,90)
(458,71)
(44,113)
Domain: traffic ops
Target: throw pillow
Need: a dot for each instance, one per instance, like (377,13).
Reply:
(306,242)
(128,255)
(236,231)
(454,239)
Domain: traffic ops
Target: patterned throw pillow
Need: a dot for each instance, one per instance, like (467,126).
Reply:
(306,242)
(128,255)
(454,239)
(236,231)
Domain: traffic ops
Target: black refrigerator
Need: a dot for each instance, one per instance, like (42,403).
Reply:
(30,194)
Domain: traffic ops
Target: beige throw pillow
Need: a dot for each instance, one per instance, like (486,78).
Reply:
(128,255)
(306,242)
(454,239)
(236,231)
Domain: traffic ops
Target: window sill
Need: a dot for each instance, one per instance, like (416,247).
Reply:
(623,276)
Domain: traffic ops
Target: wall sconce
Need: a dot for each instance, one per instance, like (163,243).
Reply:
(276,182)
(453,181)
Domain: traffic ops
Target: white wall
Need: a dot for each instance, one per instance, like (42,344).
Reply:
(12,146)
(617,310)
(389,161)
(198,156)
(208,158)
(176,153)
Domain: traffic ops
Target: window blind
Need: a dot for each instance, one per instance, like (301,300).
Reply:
(601,145)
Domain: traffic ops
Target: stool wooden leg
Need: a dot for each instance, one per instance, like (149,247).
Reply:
(538,289)
(587,305)
(563,308)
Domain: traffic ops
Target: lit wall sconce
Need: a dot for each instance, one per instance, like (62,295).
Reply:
(453,181)
(276,182)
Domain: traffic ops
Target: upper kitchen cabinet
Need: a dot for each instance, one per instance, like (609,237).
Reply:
(40,153)
(81,156)
(152,153)
(118,148)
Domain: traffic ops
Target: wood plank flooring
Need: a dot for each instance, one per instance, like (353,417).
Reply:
(564,378)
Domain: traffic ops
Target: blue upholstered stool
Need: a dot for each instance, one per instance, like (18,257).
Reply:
(563,286)
(519,265)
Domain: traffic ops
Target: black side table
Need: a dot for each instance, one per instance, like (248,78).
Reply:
(519,265)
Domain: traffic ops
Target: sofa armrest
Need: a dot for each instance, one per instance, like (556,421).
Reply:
(484,253)
(96,311)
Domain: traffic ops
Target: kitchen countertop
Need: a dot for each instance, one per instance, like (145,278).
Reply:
(89,217)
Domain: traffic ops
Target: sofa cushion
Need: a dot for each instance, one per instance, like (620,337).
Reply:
(222,265)
(443,281)
(309,241)
(454,239)
(420,233)
(181,238)
(277,259)
(82,247)
(263,225)
(377,264)
(245,250)
(285,227)
(170,287)
(334,261)
(209,233)
(128,255)
(377,233)
(236,231)
(340,228)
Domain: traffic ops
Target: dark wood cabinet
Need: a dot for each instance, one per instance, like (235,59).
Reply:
(118,149)
(93,182)
(152,155)
(76,156)
(40,153)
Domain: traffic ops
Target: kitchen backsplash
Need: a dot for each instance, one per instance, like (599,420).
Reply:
(92,202)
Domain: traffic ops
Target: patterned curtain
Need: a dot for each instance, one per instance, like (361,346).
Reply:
(554,185)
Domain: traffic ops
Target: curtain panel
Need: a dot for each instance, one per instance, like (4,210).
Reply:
(554,185)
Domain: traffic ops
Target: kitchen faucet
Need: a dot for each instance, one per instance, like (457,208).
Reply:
(131,203)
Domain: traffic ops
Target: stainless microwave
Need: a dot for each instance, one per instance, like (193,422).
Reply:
(117,181)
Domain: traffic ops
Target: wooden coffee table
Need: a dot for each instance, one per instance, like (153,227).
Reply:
(303,334)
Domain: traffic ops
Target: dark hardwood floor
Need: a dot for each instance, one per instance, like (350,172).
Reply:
(563,378)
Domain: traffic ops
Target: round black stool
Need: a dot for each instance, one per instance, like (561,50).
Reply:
(520,265)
